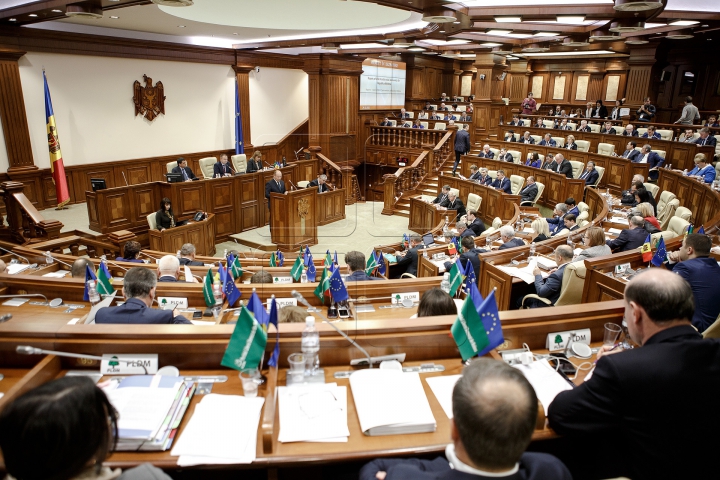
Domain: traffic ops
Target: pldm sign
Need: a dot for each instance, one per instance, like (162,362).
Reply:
(142,364)
(397,298)
(282,302)
(168,303)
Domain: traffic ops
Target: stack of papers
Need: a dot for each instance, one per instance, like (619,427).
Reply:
(614,231)
(222,430)
(150,409)
(14,268)
(545,380)
(390,402)
(313,413)
(525,273)
(442,387)
(546,263)
(58,274)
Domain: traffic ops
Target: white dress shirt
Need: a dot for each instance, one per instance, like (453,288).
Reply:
(456,464)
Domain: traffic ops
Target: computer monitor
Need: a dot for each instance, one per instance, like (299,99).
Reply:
(174,177)
(428,239)
(98,184)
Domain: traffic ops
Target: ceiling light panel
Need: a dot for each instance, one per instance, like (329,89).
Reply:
(498,32)
(571,19)
(363,45)
(443,43)
(508,19)
(567,54)
(545,34)
(683,23)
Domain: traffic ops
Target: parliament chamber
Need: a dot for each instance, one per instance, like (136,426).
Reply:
(308,141)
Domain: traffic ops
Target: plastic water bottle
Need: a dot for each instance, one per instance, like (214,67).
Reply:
(532,250)
(310,346)
(303,276)
(445,284)
(445,228)
(217,293)
(93,294)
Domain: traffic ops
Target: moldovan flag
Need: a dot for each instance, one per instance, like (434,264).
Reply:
(646,250)
(56,160)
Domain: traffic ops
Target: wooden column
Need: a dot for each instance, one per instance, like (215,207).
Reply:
(488,92)
(12,113)
(641,61)
(519,78)
(242,73)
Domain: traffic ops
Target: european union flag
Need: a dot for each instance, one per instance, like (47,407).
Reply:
(474,293)
(335,258)
(380,262)
(470,278)
(307,255)
(255,305)
(89,275)
(274,321)
(660,254)
(222,272)
(311,272)
(337,287)
(702,230)
(230,289)
(280,258)
(490,317)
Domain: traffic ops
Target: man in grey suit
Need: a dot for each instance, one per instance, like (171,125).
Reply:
(529,192)
(507,235)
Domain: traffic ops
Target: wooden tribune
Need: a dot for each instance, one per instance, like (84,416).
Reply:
(293,221)
(200,234)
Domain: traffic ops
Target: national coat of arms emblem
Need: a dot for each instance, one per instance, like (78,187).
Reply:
(149,101)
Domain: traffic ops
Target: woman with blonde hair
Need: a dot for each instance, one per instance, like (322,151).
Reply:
(570,143)
(594,239)
(255,163)
(648,213)
(541,229)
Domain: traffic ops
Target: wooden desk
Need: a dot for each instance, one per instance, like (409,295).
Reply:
(494,202)
(330,206)
(201,234)
(425,216)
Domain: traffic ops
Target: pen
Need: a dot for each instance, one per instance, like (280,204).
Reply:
(613,348)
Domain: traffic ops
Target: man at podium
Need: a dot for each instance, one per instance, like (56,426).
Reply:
(276,185)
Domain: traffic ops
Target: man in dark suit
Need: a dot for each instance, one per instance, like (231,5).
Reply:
(168,269)
(646,112)
(549,288)
(564,165)
(547,141)
(484,178)
(529,191)
(319,184)
(583,127)
(463,230)
(474,173)
(470,254)
(564,125)
(139,291)
(404,114)
(386,122)
(630,153)
(630,238)
(407,261)
(474,223)
(653,160)
(557,223)
(486,152)
(693,263)
(507,236)
(501,182)
(651,133)
(455,203)
(550,163)
(442,198)
(590,175)
(570,221)
(630,131)
(608,129)
(494,407)
(222,168)
(526,138)
(276,185)
(356,266)
(187,256)
(504,156)
(705,138)
(516,122)
(640,407)
(510,137)
(182,167)
(462,145)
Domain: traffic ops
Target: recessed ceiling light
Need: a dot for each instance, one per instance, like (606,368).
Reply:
(12,19)
(684,23)
(683,34)
(636,41)
(33,15)
(57,11)
(430,52)
(490,44)
(519,35)
(416,49)
(181,26)
(442,31)
(573,53)
(655,25)
(456,41)
(626,26)
(570,19)
(498,32)
(704,25)
(545,34)
(349,46)
(456,22)
(234,33)
(508,19)
(114,17)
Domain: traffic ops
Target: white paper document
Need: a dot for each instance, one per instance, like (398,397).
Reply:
(222,430)
(545,380)
(142,409)
(442,387)
(614,231)
(525,273)
(313,413)
(15,302)
(57,274)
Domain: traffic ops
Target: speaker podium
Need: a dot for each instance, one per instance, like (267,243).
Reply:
(293,219)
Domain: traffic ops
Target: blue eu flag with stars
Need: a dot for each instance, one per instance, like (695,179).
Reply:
(230,289)
(311,272)
(89,275)
(274,321)
(660,254)
(470,278)
(337,287)
(490,317)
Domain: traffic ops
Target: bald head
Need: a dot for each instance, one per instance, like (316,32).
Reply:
(169,265)
(79,267)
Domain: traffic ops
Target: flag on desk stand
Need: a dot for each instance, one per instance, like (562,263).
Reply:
(256,307)
(56,161)
(247,343)
(702,230)
(323,288)
(208,289)
(468,331)
(311,270)
(230,290)
(646,250)
(234,266)
(405,241)
(328,259)
(381,263)
(452,247)
(337,287)
(104,280)
(371,263)
(660,254)
(273,260)
(335,260)
(470,278)
(274,321)
(297,268)
(280,258)
(239,144)
(456,278)
(689,229)
(490,317)
(306,255)
(89,275)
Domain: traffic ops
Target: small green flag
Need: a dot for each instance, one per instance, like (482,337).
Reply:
(208,289)
(273,260)
(323,286)
(104,286)
(456,278)
(328,259)
(468,330)
(247,343)
(371,264)
(236,268)
(297,268)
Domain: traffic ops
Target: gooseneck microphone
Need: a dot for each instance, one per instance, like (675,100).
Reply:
(27,350)
(15,254)
(104,259)
(50,259)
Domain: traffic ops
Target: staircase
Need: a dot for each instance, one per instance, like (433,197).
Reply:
(429,186)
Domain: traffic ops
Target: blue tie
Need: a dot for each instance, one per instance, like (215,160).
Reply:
(185,175)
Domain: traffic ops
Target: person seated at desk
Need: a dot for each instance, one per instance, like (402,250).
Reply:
(463,230)
(615,112)
(628,196)
(255,164)
(557,222)
(417,124)
(630,153)
(572,206)
(356,266)
(516,122)
(630,131)
(435,116)
(564,166)
(78,269)
(187,256)
(647,397)
(688,136)
(550,163)
(643,195)
(646,211)
(541,230)
(630,238)
(442,199)
(494,411)
(608,129)
(485,178)
(570,143)
(64,428)
(470,254)
(474,222)
(651,133)
(600,110)
(138,289)
(320,184)
(131,252)
(533,160)
(507,236)
(510,137)
(465,117)
(570,222)
(454,203)
(501,182)
(693,263)
(222,168)
(474,173)
(594,240)
(539,123)
(427,106)
(529,191)
(705,138)
(590,175)
(712,122)
(404,114)
(702,169)
(165,218)
(550,287)
(505,156)
(423,115)
(564,125)
(584,127)
(168,269)
(263,276)
(182,168)
(653,160)
(443,107)
(486,152)
(547,141)
(526,138)
(407,261)
(435,302)
(386,122)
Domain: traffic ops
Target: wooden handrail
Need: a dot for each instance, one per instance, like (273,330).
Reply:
(25,223)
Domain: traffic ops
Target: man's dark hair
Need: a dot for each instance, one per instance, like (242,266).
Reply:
(700,243)
(688,99)
(638,185)
(474,213)
(356,261)
(261,277)
(79,267)
(132,248)
(570,201)
(139,281)
(571,216)
(634,144)
(436,302)
(643,194)
(494,409)
(180,160)
(69,420)
(468,243)
(662,301)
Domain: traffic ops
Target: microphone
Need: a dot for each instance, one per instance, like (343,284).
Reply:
(267,164)
(28,350)
(5,318)
(298,296)
(296,154)
(50,259)
(13,253)
(231,168)
(29,295)
(104,259)
(150,256)
(126,182)
(513,261)
(291,183)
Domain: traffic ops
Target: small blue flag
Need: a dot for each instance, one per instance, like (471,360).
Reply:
(280,258)
(381,262)
(105,270)
(660,254)
(307,256)
(89,275)
(311,272)
(490,317)
(702,230)
(337,287)
(470,278)
(222,272)
(230,289)
(335,260)
(255,305)
(274,321)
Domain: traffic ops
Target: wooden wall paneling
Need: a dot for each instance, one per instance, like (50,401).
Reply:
(250,203)
(596,89)
(135,174)
(144,201)
(220,201)
(492,278)
(119,213)
(93,214)
(13,115)
(31,187)
(242,74)
(580,87)
(188,197)
(48,192)
(554,82)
